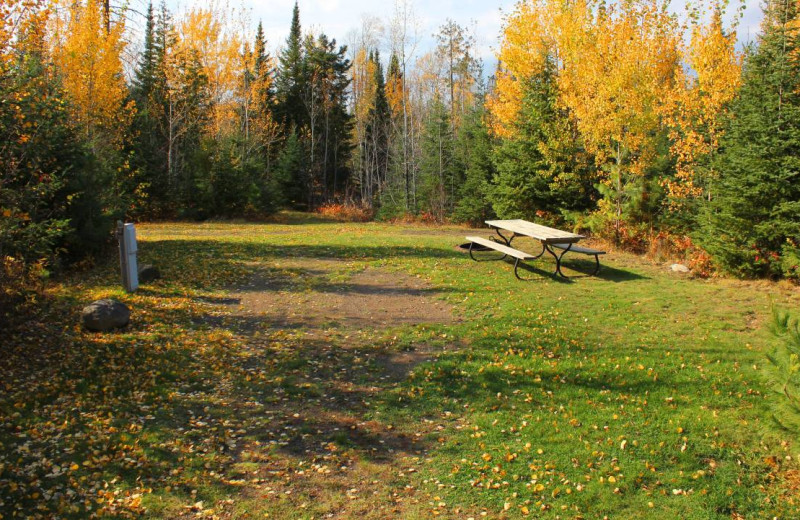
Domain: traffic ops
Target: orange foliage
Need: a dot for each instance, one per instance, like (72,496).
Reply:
(668,246)
(395,94)
(528,37)
(347,212)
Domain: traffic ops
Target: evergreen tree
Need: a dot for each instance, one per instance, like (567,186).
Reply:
(783,371)
(291,81)
(379,124)
(540,167)
(751,226)
(329,122)
(191,161)
(437,163)
(289,168)
(49,194)
(149,91)
(474,205)
(263,72)
(396,192)
(145,76)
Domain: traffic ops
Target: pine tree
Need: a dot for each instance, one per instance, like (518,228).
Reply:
(263,72)
(751,226)
(149,92)
(329,123)
(541,166)
(192,161)
(144,79)
(291,81)
(474,204)
(290,187)
(378,126)
(51,199)
(783,371)
(396,192)
(437,163)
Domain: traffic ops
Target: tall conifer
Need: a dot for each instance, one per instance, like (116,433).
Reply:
(751,225)
(290,82)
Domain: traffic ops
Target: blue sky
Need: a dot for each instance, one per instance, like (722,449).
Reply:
(338,18)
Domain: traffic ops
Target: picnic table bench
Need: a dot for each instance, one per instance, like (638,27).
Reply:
(550,238)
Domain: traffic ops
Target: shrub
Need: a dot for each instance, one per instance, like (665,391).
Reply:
(346,212)
(783,371)
(790,260)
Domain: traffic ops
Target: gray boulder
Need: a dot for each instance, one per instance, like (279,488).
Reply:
(679,268)
(148,273)
(105,315)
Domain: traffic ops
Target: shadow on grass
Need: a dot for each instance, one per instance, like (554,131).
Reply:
(167,410)
(606,273)
(584,268)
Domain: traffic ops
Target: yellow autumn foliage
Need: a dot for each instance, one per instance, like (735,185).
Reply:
(208,33)
(87,50)
(622,76)
(693,108)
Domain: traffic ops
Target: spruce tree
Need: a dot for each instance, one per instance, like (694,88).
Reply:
(396,193)
(474,205)
(291,80)
(751,225)
(329,122)
(378,128)
(149,91)
(437,163)
(144,79)
(540,168)
(262,71)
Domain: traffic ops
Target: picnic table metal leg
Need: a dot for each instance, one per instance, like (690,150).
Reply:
(516,265)
(473,257)
(597,264)
(558,258)
(506,240)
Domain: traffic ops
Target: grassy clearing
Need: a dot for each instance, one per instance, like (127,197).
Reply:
(634,394)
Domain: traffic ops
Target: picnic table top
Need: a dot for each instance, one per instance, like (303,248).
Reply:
(545,234)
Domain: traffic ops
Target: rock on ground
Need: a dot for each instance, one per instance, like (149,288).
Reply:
(148,273)
(105,315)
(679,268)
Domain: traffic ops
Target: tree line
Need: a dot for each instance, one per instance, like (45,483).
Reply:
(644,127)
(652,130)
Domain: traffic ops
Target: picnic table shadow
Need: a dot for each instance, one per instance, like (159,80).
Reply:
(607,272)
(577,268)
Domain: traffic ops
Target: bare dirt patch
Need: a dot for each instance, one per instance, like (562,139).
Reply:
(316,293)
(311,329)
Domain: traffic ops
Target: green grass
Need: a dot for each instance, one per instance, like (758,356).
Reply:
(634,394)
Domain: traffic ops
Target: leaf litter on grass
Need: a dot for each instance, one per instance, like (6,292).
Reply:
(539,402)
(208,396)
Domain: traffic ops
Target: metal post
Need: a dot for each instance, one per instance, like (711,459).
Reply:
(126,235)
(123,254)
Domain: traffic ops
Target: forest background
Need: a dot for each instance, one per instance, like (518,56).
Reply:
(644,127)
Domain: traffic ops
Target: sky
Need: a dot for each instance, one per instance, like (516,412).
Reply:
(339,18)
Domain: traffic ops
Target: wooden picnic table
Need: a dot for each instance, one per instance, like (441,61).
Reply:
(550,238)
(544,234)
